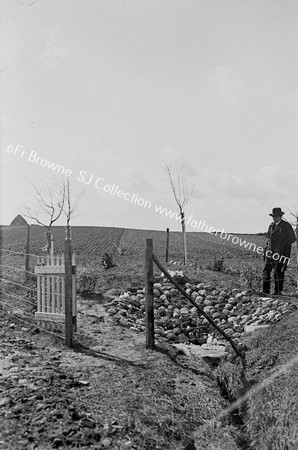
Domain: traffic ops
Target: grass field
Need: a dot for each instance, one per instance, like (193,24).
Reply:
(92,242)
(270,415)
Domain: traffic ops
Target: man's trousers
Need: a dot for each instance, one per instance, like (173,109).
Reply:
(279,275)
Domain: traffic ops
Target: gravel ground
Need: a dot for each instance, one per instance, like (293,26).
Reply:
(107,392)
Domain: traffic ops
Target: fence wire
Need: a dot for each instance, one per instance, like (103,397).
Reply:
(19,253)
(18,298)
(16,268)
(18,284)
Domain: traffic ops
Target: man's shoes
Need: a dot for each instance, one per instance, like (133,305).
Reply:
(277,293)
(264,293)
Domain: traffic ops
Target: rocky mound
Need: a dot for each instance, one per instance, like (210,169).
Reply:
(178,320)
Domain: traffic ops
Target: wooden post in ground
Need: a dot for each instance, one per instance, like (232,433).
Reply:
(74,294)
(51,246)
(149,302)
(296,232)
(167,248)
(27,253)
(184,237)
(68,289)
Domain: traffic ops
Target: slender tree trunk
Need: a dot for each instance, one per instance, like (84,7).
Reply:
(167,247)
(50,243)
(27,253)
(184,236)
(68,290)
(297,256)
(149,300)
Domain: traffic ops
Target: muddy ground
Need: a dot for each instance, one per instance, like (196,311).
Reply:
(106,392)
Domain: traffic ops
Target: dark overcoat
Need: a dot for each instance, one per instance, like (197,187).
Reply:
(280,238)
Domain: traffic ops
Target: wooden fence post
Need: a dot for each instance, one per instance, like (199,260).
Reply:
(74,294)
(184,237)
(27,253)
(296,232)
(68,289)
(167,248)
(149,301)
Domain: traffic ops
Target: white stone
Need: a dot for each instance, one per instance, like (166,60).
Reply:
(253,327)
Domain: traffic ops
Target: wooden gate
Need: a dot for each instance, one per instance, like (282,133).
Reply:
(50,271)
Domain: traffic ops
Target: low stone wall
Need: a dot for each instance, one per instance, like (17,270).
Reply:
(178,321)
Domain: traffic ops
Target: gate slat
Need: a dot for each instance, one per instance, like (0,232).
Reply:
(63,286)
(50,272)
(53,285)
(48,294)
(43,293)
(39,309)
(63,295)
(74,287)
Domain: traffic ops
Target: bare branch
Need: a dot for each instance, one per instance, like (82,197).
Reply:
(182,195)
(50,202)
(70,206)
(169,173)
(179,187)
(34,216)
(293,213)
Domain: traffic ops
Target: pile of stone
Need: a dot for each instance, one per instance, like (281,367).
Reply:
(177,320)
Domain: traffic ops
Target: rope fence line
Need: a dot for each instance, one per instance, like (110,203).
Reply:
(18,284)
(15,268)
(23,253)
(33,273)
(15,243)
(37,326)
(14,308)
(283,369)
(18,298)
(28,287)
(40,328)
(19,253)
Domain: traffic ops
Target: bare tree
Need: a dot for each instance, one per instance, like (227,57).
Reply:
(50,207)
(182,194)
(53,201)
(70,206)
(294,213)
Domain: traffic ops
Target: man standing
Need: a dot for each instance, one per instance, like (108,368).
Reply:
(277,251)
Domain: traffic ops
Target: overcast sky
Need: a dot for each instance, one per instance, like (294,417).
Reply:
(116,88)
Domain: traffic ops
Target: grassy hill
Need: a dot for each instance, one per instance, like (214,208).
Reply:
(94,241)
(128,248)
(271,415)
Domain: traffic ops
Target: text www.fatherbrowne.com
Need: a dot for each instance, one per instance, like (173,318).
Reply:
(99,183)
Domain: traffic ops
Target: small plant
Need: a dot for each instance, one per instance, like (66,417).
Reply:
(292,280)
(251,278)
(121,250)
(31,284)
(218,265)
(87,278)
(107,261)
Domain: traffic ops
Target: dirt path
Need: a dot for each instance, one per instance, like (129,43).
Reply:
(95,324)
(43,384)
(107,392)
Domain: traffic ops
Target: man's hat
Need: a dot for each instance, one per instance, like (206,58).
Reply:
(277,212)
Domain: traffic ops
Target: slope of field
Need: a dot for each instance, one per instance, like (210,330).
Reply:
(202,247)
(164,419)
(88,243)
